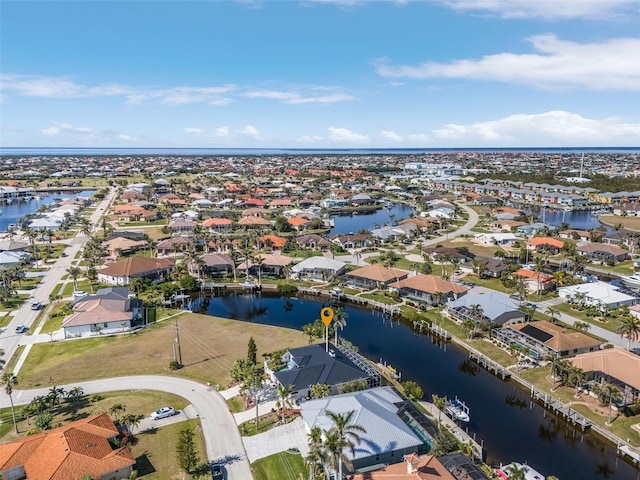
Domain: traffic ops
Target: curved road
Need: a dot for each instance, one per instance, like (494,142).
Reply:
(220,430)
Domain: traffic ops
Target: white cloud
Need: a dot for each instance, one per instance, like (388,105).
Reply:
(313,139)
(554,128)
(345,135)
(296,98)
(251,132)
(53,87)
(394,137)
(548,9)
(614,64)
(71,135)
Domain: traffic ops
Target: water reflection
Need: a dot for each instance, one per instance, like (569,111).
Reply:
(502,416)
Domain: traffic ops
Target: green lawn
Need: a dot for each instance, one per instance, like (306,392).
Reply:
(280,466)
(611,324)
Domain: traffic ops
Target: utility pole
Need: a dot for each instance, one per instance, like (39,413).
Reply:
(177,345)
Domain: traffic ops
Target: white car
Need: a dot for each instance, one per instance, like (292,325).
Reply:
(79,294)
(163,412)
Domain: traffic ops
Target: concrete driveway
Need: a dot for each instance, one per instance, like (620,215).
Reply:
(279,439)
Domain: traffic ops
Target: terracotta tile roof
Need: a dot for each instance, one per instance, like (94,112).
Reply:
(68,452)
(275,240)
(98,310)
(209,222)
(378,272)
(298,221)
(429,284)
(137,266)
(615,362)
(427,467)
(533,275)
(554,242)
(254,221)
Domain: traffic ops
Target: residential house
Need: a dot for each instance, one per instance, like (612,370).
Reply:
(374,276)
(502,239)
(172,246)
(313,241)
(217,224)
(318,268)
(414,467)
(217,264)
(615,366)
(351,240)
(182,226)
(599,294)
(254,222)
(534,281)
(493,267)
(542,338)
(107,312)
(121,272)
(505,225)
(269,264)
(123,246)
(545,245)
(78,449)
(273,242)
(389,424)
(603,253)
(581,235)
(428,289)
(493,308)
(314,364)
(388,233)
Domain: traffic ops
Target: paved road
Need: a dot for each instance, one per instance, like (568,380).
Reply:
(9,340)
(224,444)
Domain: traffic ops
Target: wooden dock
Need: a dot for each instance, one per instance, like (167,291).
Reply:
(490,365)
(560,409)
(392,310)
(436,330)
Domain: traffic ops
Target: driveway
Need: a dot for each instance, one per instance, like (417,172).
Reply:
(224,444)
(279,439)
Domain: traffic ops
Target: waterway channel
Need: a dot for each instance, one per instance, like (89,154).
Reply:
(344,224)
(503,418)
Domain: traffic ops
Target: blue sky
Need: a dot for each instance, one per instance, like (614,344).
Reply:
(320,73)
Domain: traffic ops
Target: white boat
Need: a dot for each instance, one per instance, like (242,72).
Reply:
(504,472)
(631,280)
(457,410)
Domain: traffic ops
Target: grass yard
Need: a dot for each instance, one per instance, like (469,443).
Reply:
(155,453)
(209,347)
(140,402)
(283,466)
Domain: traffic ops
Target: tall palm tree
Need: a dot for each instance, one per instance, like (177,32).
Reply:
(575,377)
(74,273)
(516,472)
(8,381)
(348,436)
(553,313)
(611,394)
(440,403)
(317,454)
(283,394)
(339,321)
(629,327)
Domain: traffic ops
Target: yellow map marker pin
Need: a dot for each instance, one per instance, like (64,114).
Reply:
(327,315)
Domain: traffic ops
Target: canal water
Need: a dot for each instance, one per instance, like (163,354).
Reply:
(578,219)
(344,224)
(502,416)
(11,212)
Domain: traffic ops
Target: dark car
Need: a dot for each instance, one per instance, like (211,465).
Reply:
(217,471)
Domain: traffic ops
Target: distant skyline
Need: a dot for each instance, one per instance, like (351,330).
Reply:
(320,74)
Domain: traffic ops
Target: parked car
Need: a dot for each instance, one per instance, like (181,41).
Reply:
(217,471)
(163,412)
(21,329)
(79,294)
(516,296)
(63,254)
(37,306)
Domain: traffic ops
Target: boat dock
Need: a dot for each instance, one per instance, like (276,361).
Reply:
(392,310)
(490,365)
(421,326)
(560,409)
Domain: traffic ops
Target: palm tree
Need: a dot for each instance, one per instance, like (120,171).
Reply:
(8,381)
(553,313)
(516,472)
(440,403)
(317,454)
(339,320)
(319,390)
(74,273)
(575,377)
(347,436)
(283,394)
(629,327)
(611,394)
(116,409)
(75,393)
